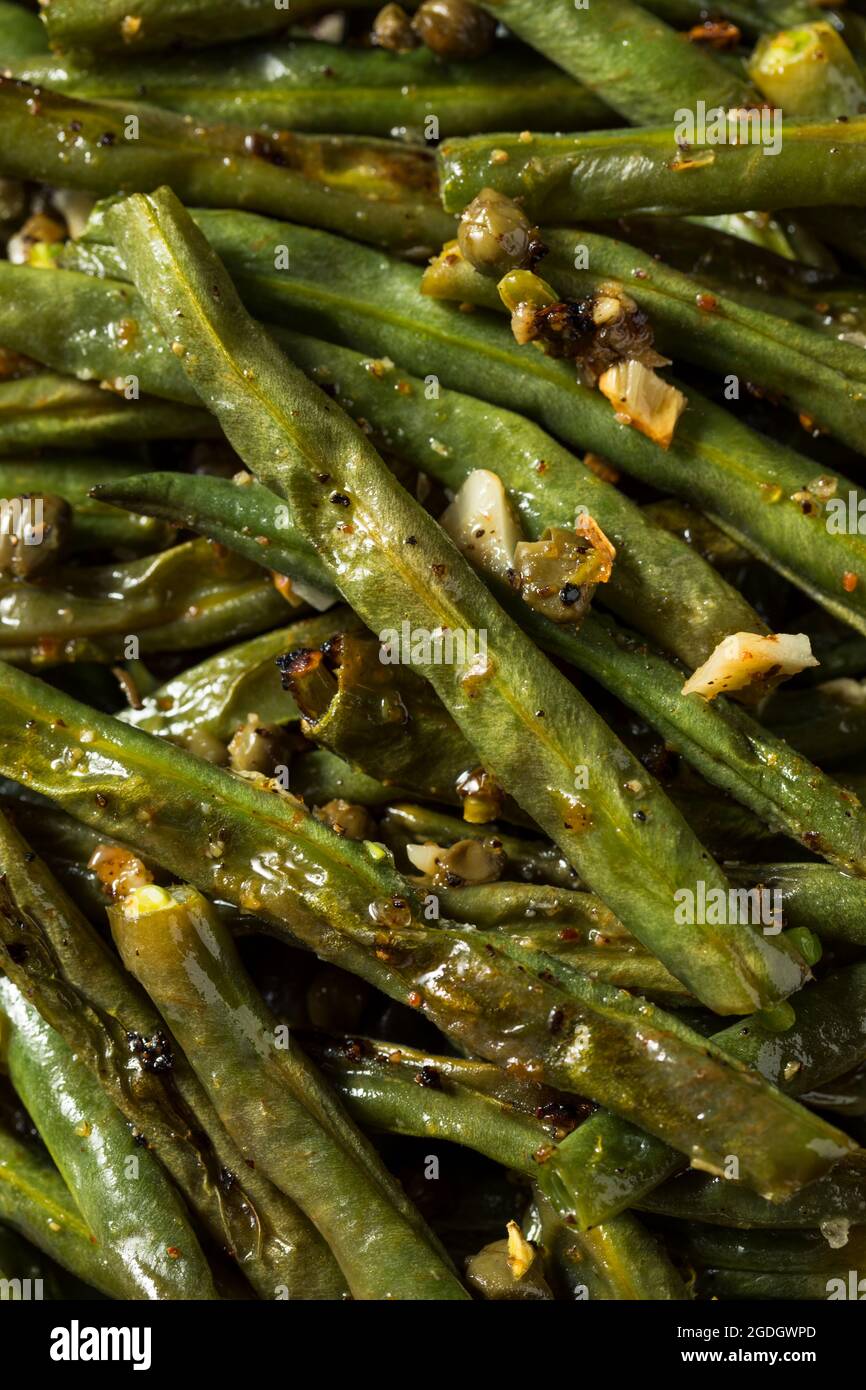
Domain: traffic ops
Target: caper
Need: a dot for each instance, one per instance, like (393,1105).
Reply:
(392,29)
(34,529)
(455,28)
(496,236)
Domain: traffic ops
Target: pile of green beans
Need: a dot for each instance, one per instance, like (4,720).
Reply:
(401,409)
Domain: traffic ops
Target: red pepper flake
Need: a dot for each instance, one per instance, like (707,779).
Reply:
(414,1000)
(849,582)
(173,1252)
(707,303)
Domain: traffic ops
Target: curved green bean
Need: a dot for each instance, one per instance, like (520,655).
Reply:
(273,1102)
(262,851)
(120,1189)
(35,1202)
(64,968)
(177,599)
(107,24)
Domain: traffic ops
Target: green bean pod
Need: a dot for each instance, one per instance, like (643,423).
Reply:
(391,560)
(751,487)
(694,1196)
(823,379)
(631,59)
(21,34)
(49,411)
(383,191)
(64,968)
(273,1101)
(754,489)
(813,895)
(95,525)
(358,715)
(120,1189)
(332,89)
(613,173)
(262,851)
(35,1202)
(620,1260)
(184,597)
(105,25)
(216,696)
(618,1166)
(404,1091)
(230,513)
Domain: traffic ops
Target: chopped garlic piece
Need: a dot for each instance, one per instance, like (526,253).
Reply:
(746,658)
(643,399)
(482,523)
(605,549)
(520,1253)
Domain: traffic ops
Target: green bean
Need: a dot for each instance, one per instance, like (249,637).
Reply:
(216,696)
(120,1189)
(765,279)
(697,1197)
(611,173)
(815,895)
(721,740)
(49,411)
(716,463)
(383,191)
(619,1260)
(795,1252)
(107,24)
(25,1273)
(381,718)
(322,87)
(656,583)
(184,597)
(320,776)
(274,1102)
(404,1091)
(356,713)
(826,723)
(618,1165)
(35,1202)
(844,1096)
(230,513)
(732,1284)
(823,380)
(21,34)
(263,852)
(599,45)
(398,582)
(66,971)
(808,70)
(95,525)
